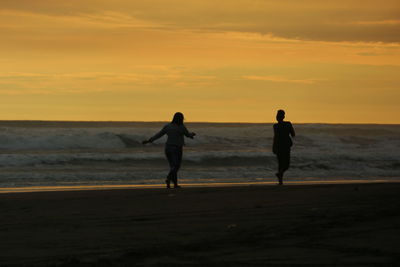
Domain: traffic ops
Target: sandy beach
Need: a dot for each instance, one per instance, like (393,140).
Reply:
(325,224)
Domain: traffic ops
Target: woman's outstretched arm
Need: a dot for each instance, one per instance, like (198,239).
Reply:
(156,136)
(187,133)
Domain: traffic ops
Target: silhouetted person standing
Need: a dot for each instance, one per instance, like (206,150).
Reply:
(175,131)
(282,143)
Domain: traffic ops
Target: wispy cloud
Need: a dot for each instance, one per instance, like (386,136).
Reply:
(85,82)
(378,22)
(271,38)
(104,19)
(302,20)
(279,79)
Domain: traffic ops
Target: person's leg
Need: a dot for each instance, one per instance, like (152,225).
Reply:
(279,174)
(178,161)
(170,157)
(284,162)
(174,156)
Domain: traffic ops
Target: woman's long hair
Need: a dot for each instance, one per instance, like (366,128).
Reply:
(178,118)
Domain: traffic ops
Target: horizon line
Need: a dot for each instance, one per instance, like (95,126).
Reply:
(210,122)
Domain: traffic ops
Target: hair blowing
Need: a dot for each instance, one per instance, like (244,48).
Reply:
(178,118)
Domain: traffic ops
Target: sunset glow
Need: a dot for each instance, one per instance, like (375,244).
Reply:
(218,61)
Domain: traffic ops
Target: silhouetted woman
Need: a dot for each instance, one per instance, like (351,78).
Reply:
(282,143)
(175,131)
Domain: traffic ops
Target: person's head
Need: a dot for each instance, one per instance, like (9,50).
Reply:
(178,118)
(280,115)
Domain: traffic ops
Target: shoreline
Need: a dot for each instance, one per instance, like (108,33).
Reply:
(30,189)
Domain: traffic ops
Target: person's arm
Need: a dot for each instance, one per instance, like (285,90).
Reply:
(156,136)
(187,133)
(292,133)
(275,130)
(275,141)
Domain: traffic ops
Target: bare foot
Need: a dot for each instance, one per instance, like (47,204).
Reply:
(279,176)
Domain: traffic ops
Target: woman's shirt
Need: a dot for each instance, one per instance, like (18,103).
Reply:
(282,132)
(175,134)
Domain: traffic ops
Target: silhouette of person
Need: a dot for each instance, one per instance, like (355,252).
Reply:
(282,143)
(175,130)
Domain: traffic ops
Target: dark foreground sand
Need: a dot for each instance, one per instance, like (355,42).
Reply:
(343,225)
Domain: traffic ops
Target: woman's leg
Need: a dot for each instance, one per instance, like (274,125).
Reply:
(178,166)
(169,155)
(174,156)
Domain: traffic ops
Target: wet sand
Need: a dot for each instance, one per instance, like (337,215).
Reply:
(253,225)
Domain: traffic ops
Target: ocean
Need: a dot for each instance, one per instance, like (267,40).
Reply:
(46,153)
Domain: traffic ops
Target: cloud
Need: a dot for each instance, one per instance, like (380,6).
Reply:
(87,82)
(378,22)
(372,21)
(106,19)
(278,79)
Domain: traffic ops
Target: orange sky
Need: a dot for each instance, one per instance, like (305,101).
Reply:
(336,61)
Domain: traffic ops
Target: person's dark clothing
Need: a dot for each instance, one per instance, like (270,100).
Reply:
(282,144)
(283,160)
(175,134)
(174,156)
(173,148)
(282,140)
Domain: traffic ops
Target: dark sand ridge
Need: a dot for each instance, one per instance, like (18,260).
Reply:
(338,224)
